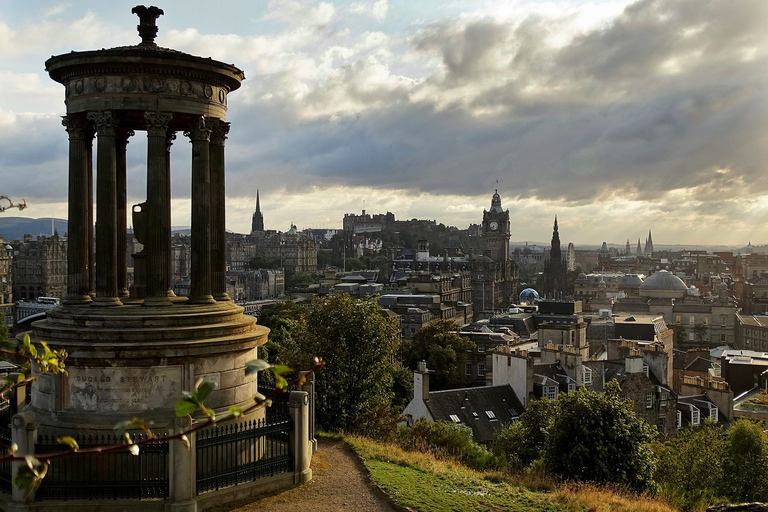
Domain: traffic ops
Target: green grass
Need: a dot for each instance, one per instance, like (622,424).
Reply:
(425,483)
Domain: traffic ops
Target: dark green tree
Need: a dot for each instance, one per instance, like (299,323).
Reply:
(354,392)
(262,261)
(523,441)
(691,465)
(596,437)
(746,463)
(443,349)
(284,320)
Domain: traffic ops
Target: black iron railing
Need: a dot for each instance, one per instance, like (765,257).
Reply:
(6,413)
(118,475)
(232,454)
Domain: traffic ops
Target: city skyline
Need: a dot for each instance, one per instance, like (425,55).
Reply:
(618,117)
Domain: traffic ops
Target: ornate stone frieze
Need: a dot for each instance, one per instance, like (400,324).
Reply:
(147,84)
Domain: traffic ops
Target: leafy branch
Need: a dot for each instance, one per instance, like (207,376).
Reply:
(43,359)
(21,205)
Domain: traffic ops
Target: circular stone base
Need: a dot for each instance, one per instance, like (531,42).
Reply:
(132,361)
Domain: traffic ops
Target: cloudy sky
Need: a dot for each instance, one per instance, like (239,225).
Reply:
(616,116)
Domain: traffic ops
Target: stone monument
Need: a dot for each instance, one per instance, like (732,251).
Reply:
(132,353)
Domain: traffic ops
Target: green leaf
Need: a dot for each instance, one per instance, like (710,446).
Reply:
(27,479)
(134,424)
(69,441)
(280,382)
(235,411)
(32,350)
(204,390)
(280,369)
(184,407)
(255,366)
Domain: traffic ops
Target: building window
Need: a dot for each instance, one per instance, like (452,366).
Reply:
(645,370)
(468,370)
(664,400)
(713,414)
(571,386)
(694,416)
(480,348)
(706,320)
(723,320)
(550,392)
(722,338)
(678,319)
(475,415)
(660,426)
(481,370)
(648,400)
(679,419)
(454,418)
(691,319)
(587,376)
(491,415)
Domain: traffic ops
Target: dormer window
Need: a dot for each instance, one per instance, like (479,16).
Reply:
(694,416)
(679,419)
(550,392)
(587,376)
(713,413)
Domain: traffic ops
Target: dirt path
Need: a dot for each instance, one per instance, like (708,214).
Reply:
(339,482)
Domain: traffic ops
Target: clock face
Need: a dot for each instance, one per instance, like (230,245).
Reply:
(494,225)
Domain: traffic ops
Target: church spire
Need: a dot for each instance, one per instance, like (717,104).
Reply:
(257,222)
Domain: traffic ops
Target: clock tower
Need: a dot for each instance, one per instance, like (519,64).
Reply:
(494,272)
(496,231)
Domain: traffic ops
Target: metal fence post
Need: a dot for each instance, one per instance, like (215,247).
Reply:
(298,406)
(182,471)
(24,434)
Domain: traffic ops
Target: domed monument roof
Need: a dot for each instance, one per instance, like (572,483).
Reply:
(663,284)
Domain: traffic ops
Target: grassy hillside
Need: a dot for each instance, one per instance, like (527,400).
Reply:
(424,483)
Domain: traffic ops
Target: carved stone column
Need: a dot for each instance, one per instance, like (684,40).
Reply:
(158,216)
(121,143)
(168,143)
(78,291)
(91,244)
(106,208)
(200,285)
(219,130)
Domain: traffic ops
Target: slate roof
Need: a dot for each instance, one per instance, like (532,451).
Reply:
(700,365)
(471,406)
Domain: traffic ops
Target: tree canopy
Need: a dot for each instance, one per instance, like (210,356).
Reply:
(584,436)
(443,349)
(358,345)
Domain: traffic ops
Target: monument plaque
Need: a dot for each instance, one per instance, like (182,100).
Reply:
(110,389)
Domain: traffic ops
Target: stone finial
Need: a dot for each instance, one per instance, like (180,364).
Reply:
(147,27)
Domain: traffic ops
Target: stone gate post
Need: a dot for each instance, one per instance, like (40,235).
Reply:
(182,471)
(298,407)
(24,433)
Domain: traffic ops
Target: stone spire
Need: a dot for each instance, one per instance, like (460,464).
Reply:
(257,222)
(628,249)
(649,244)
(554,251)
(639,250)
